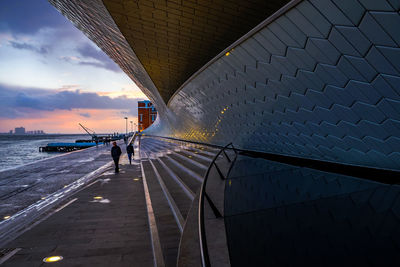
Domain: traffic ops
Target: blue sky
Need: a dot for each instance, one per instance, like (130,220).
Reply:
(49,71)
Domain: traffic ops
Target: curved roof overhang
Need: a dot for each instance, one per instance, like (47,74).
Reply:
(174,39)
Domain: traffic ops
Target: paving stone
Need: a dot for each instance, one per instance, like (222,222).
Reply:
(88,233)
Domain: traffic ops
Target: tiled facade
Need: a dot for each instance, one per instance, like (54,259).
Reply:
(320,81)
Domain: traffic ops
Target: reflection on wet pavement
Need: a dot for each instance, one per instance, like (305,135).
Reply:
(23,186)
(103,200)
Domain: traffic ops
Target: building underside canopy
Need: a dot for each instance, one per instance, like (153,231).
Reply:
(318,80)
(173,39)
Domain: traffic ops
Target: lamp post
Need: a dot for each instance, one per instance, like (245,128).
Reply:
(131,126)
(126,120)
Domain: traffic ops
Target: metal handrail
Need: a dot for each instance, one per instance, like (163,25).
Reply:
(205,258)
(132,138)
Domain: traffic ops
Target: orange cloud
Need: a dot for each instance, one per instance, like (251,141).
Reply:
(65,121)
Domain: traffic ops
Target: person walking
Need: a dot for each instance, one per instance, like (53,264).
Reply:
(115,154)
(130,151)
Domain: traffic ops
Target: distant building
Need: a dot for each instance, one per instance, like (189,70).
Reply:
(35,132)
(19,130)
(147,114)
(11,131)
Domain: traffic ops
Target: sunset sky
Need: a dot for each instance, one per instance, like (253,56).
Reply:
(52,77)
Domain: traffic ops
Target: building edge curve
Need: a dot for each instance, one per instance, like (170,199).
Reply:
(321,81)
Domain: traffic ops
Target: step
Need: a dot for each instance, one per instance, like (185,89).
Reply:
(166,226)
(152,151)
(195,156)
(189,163)
(190,160)
(190,194)
(192,170)
(181,199)
(180,152)
(207,155)
(181,171)
(206,150)
(158,145)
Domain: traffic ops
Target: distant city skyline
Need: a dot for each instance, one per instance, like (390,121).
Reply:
(53,77)
(22,130)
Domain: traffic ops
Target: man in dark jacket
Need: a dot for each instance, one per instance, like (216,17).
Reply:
(130,151)
(115,154)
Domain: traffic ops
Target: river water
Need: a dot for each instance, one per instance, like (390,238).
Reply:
(17,150)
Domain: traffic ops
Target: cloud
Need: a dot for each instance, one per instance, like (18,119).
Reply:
(38,20)
(41,14)
(99,60)
(94,64)
(96,58)
(24,102)
(89,51)
(70,59)
(68,87)
(86,115)
(25,46)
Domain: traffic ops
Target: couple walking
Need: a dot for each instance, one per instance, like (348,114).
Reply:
(116,153)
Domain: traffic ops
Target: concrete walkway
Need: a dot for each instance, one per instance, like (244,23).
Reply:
(28,184)
(108,231)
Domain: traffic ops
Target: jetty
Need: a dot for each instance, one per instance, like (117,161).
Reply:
(67,147)
(82,144)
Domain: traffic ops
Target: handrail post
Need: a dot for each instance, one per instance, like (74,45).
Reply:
(214,208)
(234,149)
(229,160)
(219,171)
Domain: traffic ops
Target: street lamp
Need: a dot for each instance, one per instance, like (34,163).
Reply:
(131,126)
(126,119)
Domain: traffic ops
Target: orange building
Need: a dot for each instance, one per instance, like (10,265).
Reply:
(147,114)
